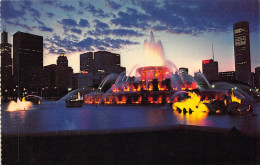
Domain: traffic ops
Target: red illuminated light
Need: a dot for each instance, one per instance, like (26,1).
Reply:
(205,61)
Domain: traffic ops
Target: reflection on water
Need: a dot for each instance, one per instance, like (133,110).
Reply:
(56,117)
(195,118)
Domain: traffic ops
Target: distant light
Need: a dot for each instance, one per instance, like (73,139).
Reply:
(69,89)
(205,61)
(84,72)
(250,90)
(213,86)
(235,87)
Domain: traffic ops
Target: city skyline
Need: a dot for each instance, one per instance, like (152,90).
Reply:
(187,31)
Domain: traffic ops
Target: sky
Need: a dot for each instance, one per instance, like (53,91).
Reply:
(186,28)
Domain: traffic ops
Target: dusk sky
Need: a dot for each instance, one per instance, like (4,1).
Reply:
(187,29)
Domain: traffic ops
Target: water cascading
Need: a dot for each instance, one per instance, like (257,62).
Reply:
(152,81)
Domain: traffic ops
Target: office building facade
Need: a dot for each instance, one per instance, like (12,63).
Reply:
(257,78)
(242,52)
(6,65)
(210,70)
(28,61)
(184,70)
(100,64)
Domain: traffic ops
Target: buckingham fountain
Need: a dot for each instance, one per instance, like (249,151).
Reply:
(156,80)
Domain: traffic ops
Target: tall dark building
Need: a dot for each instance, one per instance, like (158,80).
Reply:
(257,78)
(210,69)
(58,77)
(28,61)
(100,64)
(6,64)
(242,52)
(184,70)
(64,75)
(86,62)
(101,61)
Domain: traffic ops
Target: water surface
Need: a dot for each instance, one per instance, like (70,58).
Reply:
(51,117)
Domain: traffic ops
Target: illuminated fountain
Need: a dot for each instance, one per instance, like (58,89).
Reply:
(156,80)
(19,105)
(153,81)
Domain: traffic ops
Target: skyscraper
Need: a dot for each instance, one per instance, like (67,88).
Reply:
(27,61)
(242,52)
(257,78)
(100,64)
(86,62)
(63,75)
(184,70)
(210,69)
(6,64)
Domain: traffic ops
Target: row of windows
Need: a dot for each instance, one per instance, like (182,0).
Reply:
(241,63)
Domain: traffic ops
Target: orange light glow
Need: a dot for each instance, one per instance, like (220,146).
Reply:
(193,102)
(152,72)
(150,87)
(123,100)
(234,98)
(116,90)
(150,99)
(138,101)
(138,89)
(159,100)
(162,88)
(84,72)
(197,118)
(19,105)
(126,88)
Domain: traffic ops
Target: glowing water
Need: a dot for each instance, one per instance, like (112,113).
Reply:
(19,105)
(153,52)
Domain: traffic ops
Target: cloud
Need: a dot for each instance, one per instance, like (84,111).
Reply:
(50,15)
(194,18)
(61,43)
(48,2)
(125,32)
(68,22)
(28,6)
(39,22)
(86,44)
(84,23)
(10,11)
(89,43)
(113,5)
(116,32)
(131,18)
(188,17)
(35,13)
(96,12)
(74,30)
(17,24)
(45,28)
(65,7)
(100,25)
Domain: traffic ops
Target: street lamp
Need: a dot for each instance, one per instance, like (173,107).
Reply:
(58,91)
(41,91)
